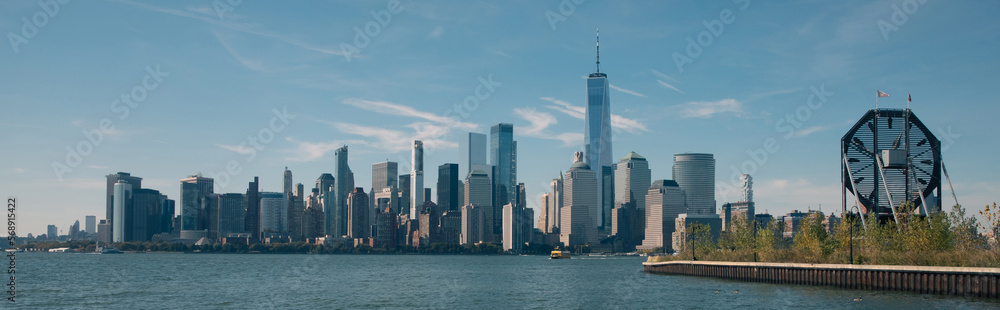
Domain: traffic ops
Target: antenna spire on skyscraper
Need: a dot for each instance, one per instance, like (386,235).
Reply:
(598,50)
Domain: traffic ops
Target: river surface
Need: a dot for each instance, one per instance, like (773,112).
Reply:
(255,281)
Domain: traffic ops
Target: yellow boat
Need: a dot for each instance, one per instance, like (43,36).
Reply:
(559,254)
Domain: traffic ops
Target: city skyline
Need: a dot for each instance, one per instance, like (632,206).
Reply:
(209,80)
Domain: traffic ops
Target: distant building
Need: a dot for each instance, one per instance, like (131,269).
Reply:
(556,204)
(416,178)
(345,185)
(684,220)
(104,231)
(296,205)
(790,223)
(626,224)
(473,219)
(451,227)
(90,224)
(762,220)
(473,154)
(53,232)
(385,175)
(358,220)
(404,195)
(695,173)
(145,217)
(503,157)
(517,230)
(732,210)
(312,222)
(747,186)
(543,214)
(273,212)
(447,187)
(121,231)
(430,223)
(478,193)
(251,224)
(581,205)
(232,214)
(193,191)
(327,199)
(632,181)
(112,179)
(386,228)
(286,182)
(665,202)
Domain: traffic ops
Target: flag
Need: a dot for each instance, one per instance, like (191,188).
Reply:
(908,98)
(880,94)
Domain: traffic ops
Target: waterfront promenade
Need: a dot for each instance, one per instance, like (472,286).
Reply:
(961,281)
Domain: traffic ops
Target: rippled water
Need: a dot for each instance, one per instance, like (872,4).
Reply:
(58,280)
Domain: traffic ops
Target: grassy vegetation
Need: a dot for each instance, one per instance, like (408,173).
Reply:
(942,239)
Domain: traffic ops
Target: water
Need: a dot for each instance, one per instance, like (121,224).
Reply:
(134,281)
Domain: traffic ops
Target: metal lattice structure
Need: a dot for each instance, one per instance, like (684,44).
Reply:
(889,157)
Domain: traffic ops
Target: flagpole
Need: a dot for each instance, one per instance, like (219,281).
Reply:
(876,99)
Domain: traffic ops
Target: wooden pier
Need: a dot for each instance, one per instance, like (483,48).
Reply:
(960,281)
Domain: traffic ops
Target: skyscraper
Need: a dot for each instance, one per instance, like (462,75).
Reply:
(194,217)
(473,149)
(358,222)
(345,184)
(122,204)
(581,205)
(273,210)
(556,203)
(326,189)
(695,174)
(632,180)
(747,186)
(597,135)
(447,187)
(136,183)
(90,225)
(287,183)
(53,232)
(478,193)
(503,157)
(144,216)
(232,213)
(252,222)
(543,214)
(404,194)
(384,175)
(416,178)
(664,202)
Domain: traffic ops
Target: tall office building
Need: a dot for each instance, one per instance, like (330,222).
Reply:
(90,224)
(358,221)
(345,184)
(695,174)
(194,217)
(447,187)
(479,193)
(273,210)
(404,194)
(145,217)
(286,182)
(112,179)
(517,228)
(503,157)
(384,175)
(122,206)
(473,149)
(326,189)
(167,216)
(543,214)
(472,223)
(232,214)
(597,136)
(556,203)
(53,233)
(632,180)
(251,224)
(581,205)
(104,231)
(665,201)
(416,178)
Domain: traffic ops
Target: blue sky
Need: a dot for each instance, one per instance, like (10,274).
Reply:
(224,71)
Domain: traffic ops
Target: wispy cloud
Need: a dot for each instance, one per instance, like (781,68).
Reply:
(627,91)
(668,85)
(246,62)
(20,170)
(241,149)
(707,109)
(436,33)
(402,110)
(98,167)
(539,124)
(310,151)
(617,121)
(808,131)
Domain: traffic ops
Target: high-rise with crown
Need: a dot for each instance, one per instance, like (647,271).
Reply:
(580,212)
(597,137)
(345,184)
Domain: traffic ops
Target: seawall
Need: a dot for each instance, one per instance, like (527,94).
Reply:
(961,281)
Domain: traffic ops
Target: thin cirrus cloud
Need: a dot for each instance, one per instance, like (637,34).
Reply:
(707,109)
(539,123)
(627,91)
(665,77)
(390,108)
(241,149)
(617,121)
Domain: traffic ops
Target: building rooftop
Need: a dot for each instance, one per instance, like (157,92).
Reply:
(632,156)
